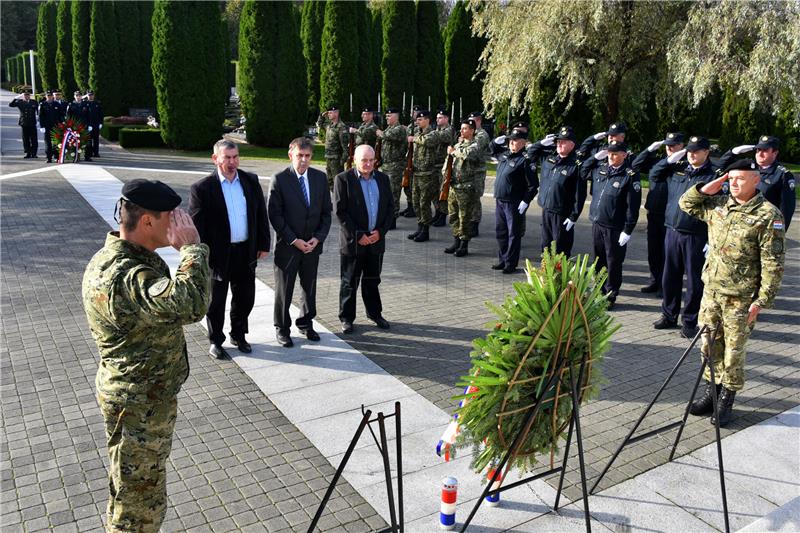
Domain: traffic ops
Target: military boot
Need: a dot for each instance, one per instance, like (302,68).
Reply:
(463,249)
(422,236)
(705,404)
(440,220)
(454,247)
(473,231)
(413,236)
(725,407)
(409,212)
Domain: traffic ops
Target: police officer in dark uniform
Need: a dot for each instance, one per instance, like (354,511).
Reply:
(616,198)
(515,186)
(656,204)
(562,191)
(77,110)
(616,132)
(94,119)
(50,114)
(686,236)
(27,120)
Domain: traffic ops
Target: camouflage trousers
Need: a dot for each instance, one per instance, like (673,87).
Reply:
(139,440)
(426,188)
(480,186)
(461,205)
(333,166)
(395,174)
(441,207)
(728,354)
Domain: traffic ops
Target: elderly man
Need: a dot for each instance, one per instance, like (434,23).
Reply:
(742,275)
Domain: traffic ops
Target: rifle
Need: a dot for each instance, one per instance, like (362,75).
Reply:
(448,175)
(351,152)
(409,165)
(378,150)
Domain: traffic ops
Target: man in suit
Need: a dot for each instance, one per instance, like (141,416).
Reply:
(300,212)
(229,211)
(365,209)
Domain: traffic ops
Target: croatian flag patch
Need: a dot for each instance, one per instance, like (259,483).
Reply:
(777,224)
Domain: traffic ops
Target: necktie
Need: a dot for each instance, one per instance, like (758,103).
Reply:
(305,191)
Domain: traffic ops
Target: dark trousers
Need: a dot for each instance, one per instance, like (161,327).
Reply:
(610,255)
(656,232)
(285,277)
(94,135)
(30,142)
(684,254)
(242,280)
(509,227)
(364,268)
(48,145)
(553,230)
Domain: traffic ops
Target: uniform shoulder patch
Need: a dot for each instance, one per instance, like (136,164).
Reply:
(637,186)
(158,288)
(631,172)
(790,183)
(777,225)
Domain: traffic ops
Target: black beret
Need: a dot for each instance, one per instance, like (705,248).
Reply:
(416,108)
(151,195)
(476,114)
(617,146)
(424,113)
(444,112)
(673,138)
(368,109)
(617,128)
(392,110)
(742,164)
(333,107)
(517,134)
(768,141)
(469,122)
(565,133)
(697,143)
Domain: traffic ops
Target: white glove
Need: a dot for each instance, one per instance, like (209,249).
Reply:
(90,128)
(705,250)
(549,140)
(600,135)
(41,130)
(674,158)
(624,238)
(523,205)
(602,154)
(100,127)
(743,148)
(568,224)
(655,146)
(500,140)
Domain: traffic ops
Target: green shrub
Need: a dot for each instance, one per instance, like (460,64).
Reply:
(133,137)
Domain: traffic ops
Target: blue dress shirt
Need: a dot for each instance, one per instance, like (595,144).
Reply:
(370,189)
(237,207)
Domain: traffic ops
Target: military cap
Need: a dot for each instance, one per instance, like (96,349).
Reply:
(333,107)
(444,112)
(90,93)
(768,141)
(520,124)
(476,114)
(48,93)
(416,108)
(617,128)
(742,164)
(617,146)
(76,93)
(26,91)
(697,143)
(673,138)
(368,109)
(517,134)
(469,122)
(424,113)
(392,110)
(565,133)
(152,195)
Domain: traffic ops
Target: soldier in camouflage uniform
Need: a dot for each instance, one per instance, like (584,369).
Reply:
(409,190)
(366,133)
(136,313)
(467,165)
(426,182)
(394,141)
(484,141)
(443,125)
(337,140)
(742,275)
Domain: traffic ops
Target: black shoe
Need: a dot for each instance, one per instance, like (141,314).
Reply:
(498,266)
(725,407)
(380,322)
(26,156)
(665,323)
(412,236)
(49,160)
(688,332)
(284,339)
(463,249)
(423,235)
(347,326)
(242,344)
(217,352)
(35,156)
(310,334)
(509,270)
(653,287)
(452,249)
(88,159)
(440,220)
(409,212)
(705,404)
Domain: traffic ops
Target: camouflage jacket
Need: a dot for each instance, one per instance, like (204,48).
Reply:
(426,143)
(745,255)
(394,147)
(468,164)
(337,138)
(441,151)
(136,314)
(366,134)
(484,142)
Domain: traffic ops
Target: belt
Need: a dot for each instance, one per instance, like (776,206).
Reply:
(238,244)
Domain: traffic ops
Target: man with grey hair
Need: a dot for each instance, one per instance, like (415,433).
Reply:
(230,213)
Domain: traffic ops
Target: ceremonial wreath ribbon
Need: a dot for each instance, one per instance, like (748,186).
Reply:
(68,138)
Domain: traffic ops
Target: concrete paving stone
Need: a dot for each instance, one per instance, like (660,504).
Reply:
(41,523)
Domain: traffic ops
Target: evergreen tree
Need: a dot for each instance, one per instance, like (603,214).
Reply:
(105,77)
(273,96)
(339,58)
(64,67)
(363,94)
(398,64)
(188,72)
(429,77)
(146,95)
(461,55)
(135,39)
(377,54)
(46,44)
(313,19)
(81,18)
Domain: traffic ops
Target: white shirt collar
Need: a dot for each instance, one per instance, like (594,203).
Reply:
(222,178)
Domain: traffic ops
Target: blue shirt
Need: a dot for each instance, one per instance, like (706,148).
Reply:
(371,195)
(237,207)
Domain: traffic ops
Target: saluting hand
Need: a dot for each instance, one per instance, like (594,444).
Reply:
(713,187)
(181,229)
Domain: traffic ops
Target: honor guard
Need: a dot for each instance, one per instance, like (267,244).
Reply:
(337,140)
(616,198)
(50,114)
(617,131)
(412,130)
(77,110)
(467,164)
(394,145)
(27,120)
(94,118)
(366,132)
(484,141)
(443,125)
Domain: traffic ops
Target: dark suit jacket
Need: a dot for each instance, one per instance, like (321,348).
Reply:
(351,210)
(292,218)
(207,209)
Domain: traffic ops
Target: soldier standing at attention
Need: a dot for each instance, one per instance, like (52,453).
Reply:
(366,133)
(409,190)
(467,163)
(393,155)
(484,141)
(94,118)
(443,125)
(742,275)
(77,110)
(136,313)
(27,120)
(337,140)
(49,115)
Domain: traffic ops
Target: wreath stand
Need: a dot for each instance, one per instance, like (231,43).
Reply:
(630,439)
(396,517)
(548,394)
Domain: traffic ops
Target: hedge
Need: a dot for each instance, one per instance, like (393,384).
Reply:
(133,137)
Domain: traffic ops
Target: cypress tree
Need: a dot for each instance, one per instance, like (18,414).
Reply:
(81,18)
(105,76)
(134,34)
(64,67)
(313,20)
(461,53)
(273,96)
(429,77)
(46,43)
(398,64)
(146,95)
(339,58)
(188,72)
(377,54)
